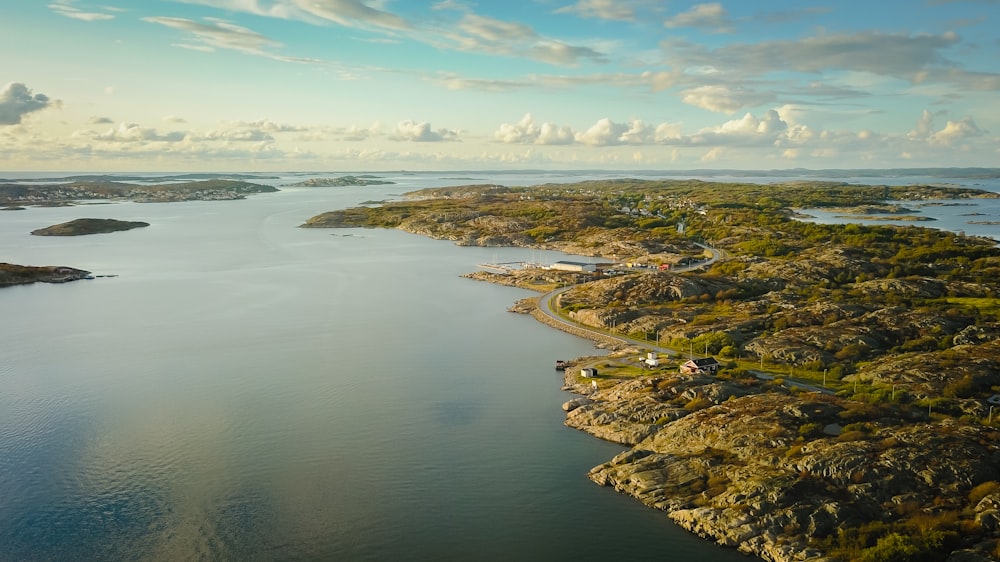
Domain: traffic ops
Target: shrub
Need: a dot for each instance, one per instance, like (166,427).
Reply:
(808,430)
(699,403)
(983,490)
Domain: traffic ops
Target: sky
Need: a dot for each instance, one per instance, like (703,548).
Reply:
(370,85)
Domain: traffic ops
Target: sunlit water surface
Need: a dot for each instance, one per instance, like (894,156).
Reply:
(243,389)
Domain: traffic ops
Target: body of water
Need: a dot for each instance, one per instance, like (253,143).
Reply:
(243,389)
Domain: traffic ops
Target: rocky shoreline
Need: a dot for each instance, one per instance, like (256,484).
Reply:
(897,459)
(12,274)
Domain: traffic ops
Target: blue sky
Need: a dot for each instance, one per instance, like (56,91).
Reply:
(262,85)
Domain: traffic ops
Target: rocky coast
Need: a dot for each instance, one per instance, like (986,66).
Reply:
(852,414)
(12,274)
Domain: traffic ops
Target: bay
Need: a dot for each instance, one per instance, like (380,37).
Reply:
(243,389)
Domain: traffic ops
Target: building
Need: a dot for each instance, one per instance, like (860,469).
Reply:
(576,266)
(588,372)
(651,361)
(706,365)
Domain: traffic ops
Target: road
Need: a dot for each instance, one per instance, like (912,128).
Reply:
(545,304)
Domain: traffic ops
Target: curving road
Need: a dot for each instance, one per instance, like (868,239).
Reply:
(547,308)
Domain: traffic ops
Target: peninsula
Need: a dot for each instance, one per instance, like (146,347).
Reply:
(11,274)
(845,407)
(81,227)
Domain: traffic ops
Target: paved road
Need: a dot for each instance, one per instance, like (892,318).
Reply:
(545,304)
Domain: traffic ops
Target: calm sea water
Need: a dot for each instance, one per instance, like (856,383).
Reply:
(244,389)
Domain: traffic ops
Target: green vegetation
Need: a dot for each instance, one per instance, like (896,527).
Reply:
(901,324)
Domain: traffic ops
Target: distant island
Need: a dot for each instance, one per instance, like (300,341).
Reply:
(342,181)
(822,391)
(81,227)
(72,192)
(11,274)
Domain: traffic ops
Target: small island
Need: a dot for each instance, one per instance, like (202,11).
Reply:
(80,227)
(12,274)
(342,181)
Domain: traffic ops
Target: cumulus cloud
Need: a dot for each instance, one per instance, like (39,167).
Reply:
(421,132)
(608,133)
(953,131)
(711,15)
(101,121)
(722,99)
(134,133)
(66,8)
(526,131)
(600,9)
(17,100)
(357,134)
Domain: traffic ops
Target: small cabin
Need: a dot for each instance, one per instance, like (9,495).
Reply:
(588,372)
(705,365)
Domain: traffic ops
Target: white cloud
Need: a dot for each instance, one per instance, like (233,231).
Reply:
(722,99)
(233,135)
(66,8)
(526,131)
(133,133)
(600,9)
(348,13)
(478,33)
(217,33)
(955,131)
(421,132)
(17,100)
(711,15)
(357,134)
(915,58)
(271,126)
(712,155)
(608,133)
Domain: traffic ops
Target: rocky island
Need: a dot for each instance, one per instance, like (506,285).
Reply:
(81,227)
(342,181)
(11,274)
(848,411)
(103,189)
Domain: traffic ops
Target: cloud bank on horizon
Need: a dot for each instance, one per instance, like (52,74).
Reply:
(456,84)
